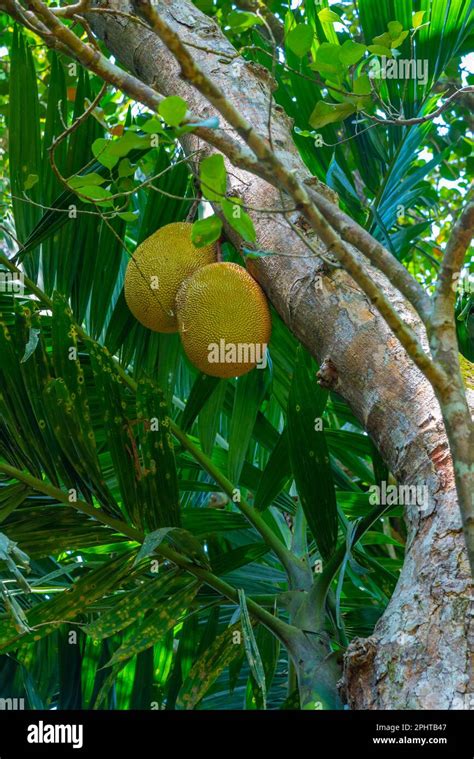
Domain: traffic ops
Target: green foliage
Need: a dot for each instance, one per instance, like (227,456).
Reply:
(173,110)
(90,400)
(206,231)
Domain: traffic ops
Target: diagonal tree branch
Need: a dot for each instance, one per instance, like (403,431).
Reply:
(453,260)
(282,630)
(296,189)
(350,231)
(95,61)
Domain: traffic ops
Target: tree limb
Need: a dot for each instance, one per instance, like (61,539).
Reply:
(453,260)
(287,180)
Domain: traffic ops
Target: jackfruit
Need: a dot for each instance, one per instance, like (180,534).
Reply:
(224,320)
(156,271)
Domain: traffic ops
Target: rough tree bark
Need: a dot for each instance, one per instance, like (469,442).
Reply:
(419,655)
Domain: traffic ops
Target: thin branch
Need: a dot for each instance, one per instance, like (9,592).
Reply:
(286,179)
(236,153)
(453,261)
(376,253)
(95,61)
(444,347)
(69,130)
(70,10)
(423,119)
(274,624)
(260,9)
(29,21)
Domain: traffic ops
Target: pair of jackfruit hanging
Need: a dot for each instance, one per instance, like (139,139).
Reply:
(220,311)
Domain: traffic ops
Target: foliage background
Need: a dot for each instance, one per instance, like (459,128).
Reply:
(153,640)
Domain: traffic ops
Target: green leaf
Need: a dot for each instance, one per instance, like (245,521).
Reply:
(210,416)
(95,194)
(385,40)
(24,138)
(206,231)
(12,496)
(329,113)
(275,475)
(401,38)
(129,141)
(30,347)
(239,219)
(395,28)
(101,149)
(269,648)
(327,58)
(239,21)
(156,625)
(328,16)
(30,181)
(85,180)
(125,168)
(418,19)
(300,39)
(225,649)
(129,216)
(362,85)
(202,389)
(203,522)
(380,50)
(351,52)
(238,557)
(309,456)
(116,428)
(182,540)
(249,395)
(251,648)
(45,617)
(173,110)
(153,126)
(158,487)
(213,177)
(133,605)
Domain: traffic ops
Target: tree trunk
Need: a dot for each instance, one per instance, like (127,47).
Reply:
(419,654)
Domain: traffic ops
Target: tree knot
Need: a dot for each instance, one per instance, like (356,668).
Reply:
(328,375)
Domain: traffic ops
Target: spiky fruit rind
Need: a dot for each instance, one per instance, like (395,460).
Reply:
(155,272)
(223,312)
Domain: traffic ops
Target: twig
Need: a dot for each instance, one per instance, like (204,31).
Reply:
(422,119)
(69,130)
(296,189)
(271,21)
